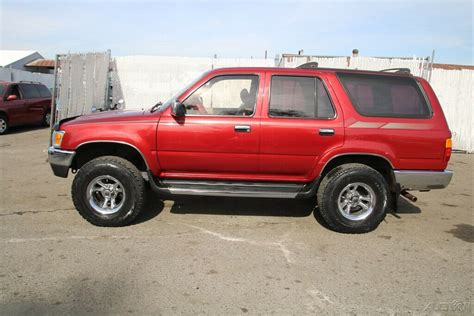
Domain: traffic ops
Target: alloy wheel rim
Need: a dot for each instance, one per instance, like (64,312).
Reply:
(356,201)
(106,195)
(47,118)
(3,125)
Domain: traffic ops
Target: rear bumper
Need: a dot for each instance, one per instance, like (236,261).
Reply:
(423,180)
(60,161)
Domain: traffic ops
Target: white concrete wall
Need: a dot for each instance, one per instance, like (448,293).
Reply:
(454,89)
(145,80)
(8,74)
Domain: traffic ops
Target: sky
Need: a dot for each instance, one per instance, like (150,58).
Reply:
(241,28)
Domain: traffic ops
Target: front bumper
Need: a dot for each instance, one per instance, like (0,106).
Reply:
(423,180)
(60,161)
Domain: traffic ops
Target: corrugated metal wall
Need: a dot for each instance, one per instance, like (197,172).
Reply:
(81,83)
(8,74)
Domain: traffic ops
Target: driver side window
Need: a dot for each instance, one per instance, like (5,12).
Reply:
(224,95)
(14,90)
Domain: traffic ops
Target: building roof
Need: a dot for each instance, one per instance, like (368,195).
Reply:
(452,66)
(41,63)
(8,57)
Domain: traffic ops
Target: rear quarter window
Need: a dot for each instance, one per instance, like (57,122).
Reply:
(29,91)
(44,92)
(385,96)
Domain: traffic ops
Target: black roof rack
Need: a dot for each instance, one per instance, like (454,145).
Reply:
(310,65)
(29,81)
(398,70)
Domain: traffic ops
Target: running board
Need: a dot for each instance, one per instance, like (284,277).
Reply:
(235,189)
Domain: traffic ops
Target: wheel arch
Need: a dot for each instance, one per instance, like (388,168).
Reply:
(4,114)
(378,162)
(94,149)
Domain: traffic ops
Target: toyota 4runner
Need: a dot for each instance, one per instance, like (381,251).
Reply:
(352,140)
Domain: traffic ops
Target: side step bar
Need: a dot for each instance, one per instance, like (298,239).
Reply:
(235,189)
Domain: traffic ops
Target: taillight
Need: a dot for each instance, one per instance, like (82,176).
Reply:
(448,149)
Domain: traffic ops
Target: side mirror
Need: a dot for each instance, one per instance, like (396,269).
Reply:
(178,109)
(12,97)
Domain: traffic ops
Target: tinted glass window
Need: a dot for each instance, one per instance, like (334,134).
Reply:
(224,95)
(299,97)
(385,96)
(29,91)
(13,90)
(43,91)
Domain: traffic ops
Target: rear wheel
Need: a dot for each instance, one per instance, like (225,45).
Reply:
(3,125)
(47,118)
(108,191)
(353,198)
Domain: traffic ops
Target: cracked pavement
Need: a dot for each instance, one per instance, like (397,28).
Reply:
(217,255)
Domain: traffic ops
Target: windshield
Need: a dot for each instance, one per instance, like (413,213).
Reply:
(177,94)
(2,89)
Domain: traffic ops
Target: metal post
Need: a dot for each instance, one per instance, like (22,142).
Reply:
(53,97)
(107,80)
(431,65)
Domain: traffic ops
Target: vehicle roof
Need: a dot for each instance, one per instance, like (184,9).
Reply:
(308,70)
(3,82)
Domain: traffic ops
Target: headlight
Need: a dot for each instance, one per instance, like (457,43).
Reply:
(58,138)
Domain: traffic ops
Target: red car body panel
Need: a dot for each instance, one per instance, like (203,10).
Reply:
(276,149)
(22,111)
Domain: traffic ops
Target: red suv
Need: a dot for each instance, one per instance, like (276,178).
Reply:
(23,103)
(352,140)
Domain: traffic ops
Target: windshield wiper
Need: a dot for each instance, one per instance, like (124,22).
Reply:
(155,107)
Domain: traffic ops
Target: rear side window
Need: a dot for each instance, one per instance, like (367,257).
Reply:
(29,91)
(43,91)
(299,97)
(385,96)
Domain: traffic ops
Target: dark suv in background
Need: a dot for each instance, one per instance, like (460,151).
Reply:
(24,103)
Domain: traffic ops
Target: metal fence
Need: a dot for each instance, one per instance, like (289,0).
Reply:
(81,84)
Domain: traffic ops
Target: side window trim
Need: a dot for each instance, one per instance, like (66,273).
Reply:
(228,75)
(316,78)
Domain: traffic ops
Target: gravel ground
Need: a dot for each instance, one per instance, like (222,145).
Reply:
(222,255)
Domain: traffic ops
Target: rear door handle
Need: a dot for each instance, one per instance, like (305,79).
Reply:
(326,131)
(242,128)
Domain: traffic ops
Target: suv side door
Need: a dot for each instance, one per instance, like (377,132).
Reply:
(218,137)
(34,102)
(301,120)
(17,109)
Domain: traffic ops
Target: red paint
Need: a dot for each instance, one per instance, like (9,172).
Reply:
(19,110)
(276,149)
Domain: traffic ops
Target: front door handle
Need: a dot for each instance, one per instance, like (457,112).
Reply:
(326,131)
(242,128)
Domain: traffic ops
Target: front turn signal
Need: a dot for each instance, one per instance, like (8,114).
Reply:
(57,138)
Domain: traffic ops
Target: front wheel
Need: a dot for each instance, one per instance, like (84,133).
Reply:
(108,191)
(353,198)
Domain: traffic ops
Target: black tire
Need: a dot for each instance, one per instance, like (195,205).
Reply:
(4,126)
(336,182)
(46,118)
(129,178)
